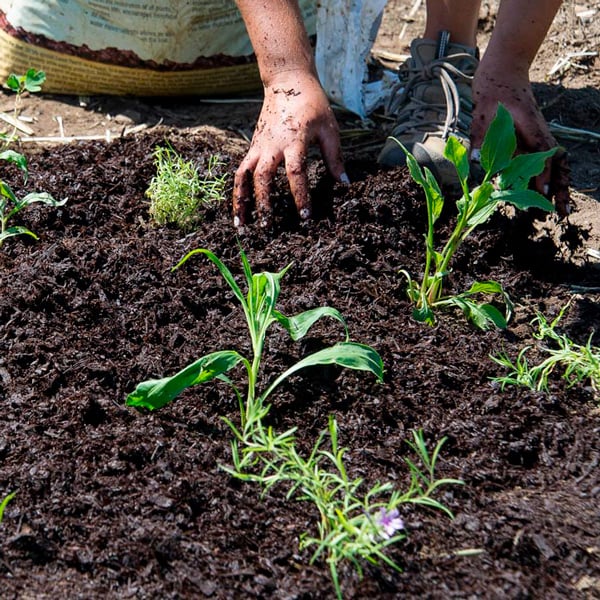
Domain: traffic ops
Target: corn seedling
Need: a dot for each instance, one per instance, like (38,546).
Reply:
(351,527)
(178,191)
(577,362)
(506,180)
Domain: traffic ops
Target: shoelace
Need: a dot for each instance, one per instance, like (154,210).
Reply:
(448,75)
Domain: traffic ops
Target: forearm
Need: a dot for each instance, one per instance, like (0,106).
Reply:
(521,27)
(278,37)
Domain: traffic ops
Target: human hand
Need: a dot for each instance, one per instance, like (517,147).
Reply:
(295,114)
(493,85)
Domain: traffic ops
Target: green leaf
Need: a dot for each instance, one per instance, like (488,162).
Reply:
(155,393)
(414,169)
(424,315)
(433,193)
(522,168)
(42,197)
(486,287)
(524,199)
(298,325)
(7,192)
(456,153)
(500,142)
(483,204)
(346,354)
(17,230)
(4,503)
(16,158)
(33,80)
(225,272)
(12,82)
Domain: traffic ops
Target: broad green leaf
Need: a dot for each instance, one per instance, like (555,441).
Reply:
(12,82)
(522,168)
(500,142)
(225,272)
(485,287)
(17,230)
(414,169)
(456,153)
(16,158)
(481,315)
(482,206)
(33,80)
(42,197)
(433,193)
(424,315)
(346,354)
(155,393)
(7,192)
(298,325)
(524,199)
(492,315)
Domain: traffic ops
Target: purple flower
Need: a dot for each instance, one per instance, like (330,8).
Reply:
(389,522)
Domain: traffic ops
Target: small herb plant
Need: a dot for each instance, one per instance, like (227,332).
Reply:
(178,191)
(10,204)
(578,362)
(506,179)
(351,526)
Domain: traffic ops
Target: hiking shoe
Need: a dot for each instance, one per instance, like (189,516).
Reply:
(432,101)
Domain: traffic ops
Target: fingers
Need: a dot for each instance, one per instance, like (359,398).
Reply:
(295,168)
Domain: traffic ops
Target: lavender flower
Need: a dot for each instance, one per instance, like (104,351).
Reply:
(389,523)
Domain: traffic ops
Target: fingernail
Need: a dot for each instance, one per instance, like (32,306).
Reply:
(236,221)
(476,155)
(345,179)
(546,189)
(305,213)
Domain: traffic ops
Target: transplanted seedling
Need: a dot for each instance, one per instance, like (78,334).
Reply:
(577,362)
(10,204)
(179,191)
(506,179)
(354,525)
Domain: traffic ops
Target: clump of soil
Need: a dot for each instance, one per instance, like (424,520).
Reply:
(112,502)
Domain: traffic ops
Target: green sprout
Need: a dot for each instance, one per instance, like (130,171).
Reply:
(351,526)
(578,362)
(31,82)
(4,504)
(506,180)
(177,192)
(10,205)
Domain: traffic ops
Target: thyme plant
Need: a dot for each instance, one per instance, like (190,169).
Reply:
(178,191)
(578,362)
(506,179)
(354,525)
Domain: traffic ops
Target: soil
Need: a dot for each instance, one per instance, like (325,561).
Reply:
(112,502)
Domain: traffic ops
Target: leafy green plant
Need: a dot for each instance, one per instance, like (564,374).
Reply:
(10,204)
(351,527)
(506,179)
(31,82)
(178,191)
(578,362)
(4,504)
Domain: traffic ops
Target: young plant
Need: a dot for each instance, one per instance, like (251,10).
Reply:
(578,362)
(351,526)
(4,504)
(506,179)
(31,82)
(10,205)
(178,192)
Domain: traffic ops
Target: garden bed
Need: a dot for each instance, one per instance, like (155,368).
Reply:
(114,502)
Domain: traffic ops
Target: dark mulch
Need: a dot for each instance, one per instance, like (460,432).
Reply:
(116,503)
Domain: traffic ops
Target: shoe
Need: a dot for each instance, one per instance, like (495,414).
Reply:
(432,101)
